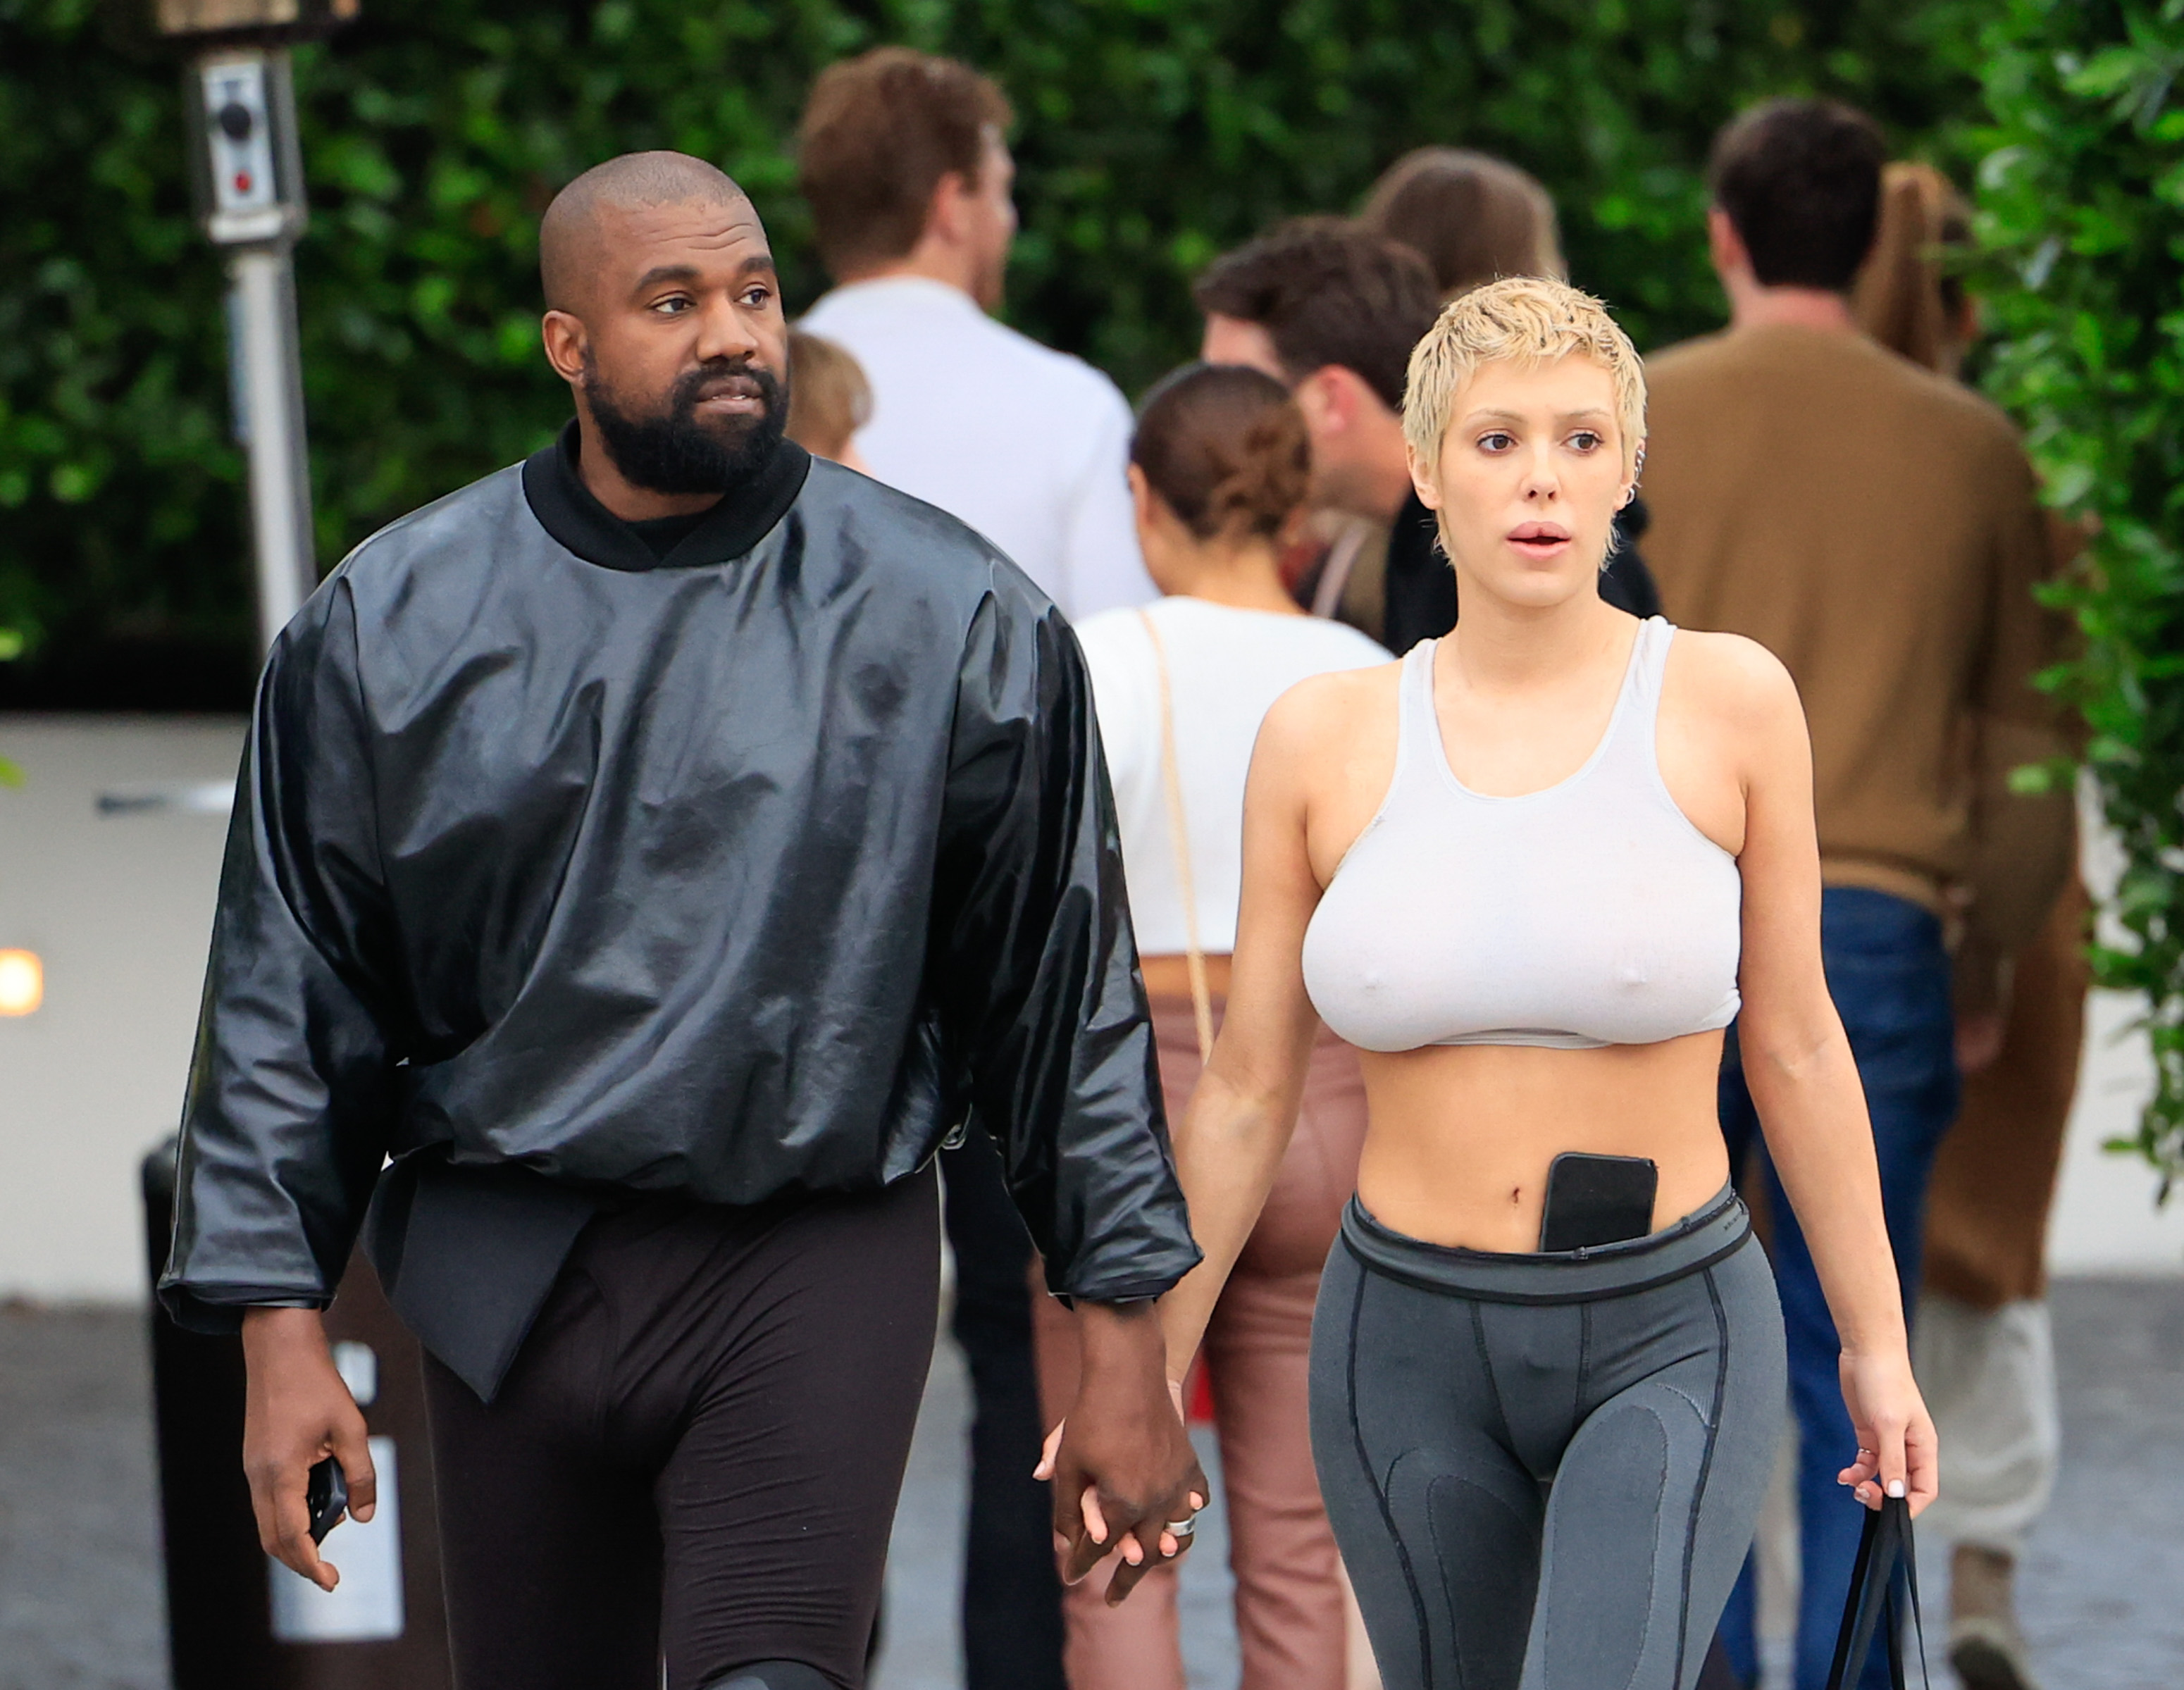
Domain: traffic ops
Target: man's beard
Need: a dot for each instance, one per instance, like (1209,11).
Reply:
(674,450)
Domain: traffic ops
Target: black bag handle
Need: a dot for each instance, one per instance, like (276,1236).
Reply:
(1886,1557)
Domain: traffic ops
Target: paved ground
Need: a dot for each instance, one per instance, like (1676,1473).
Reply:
(81,1603)
(80,1600)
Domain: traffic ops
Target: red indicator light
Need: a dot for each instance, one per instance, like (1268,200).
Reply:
(242,182)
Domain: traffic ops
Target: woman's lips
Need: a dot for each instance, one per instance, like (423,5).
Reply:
(1539,540)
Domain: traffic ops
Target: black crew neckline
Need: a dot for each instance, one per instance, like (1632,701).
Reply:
(568,512)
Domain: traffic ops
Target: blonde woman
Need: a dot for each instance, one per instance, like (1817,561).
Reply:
(1533,870)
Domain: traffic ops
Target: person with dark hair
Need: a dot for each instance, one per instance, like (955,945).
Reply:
(1333,310)
(1982,1339)
(1473,217)
(1219,468)
(904,160)
(657,848)
(1875,526)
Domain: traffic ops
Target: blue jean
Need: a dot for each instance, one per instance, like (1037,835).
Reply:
(1889,974)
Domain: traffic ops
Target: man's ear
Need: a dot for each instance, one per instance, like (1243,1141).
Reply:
(564,338)
(946,212)
(1328,398)
(1724,246)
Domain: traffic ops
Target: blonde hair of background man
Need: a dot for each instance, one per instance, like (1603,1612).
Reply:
(1521,320)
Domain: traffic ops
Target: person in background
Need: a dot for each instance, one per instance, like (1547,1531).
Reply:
(1334,310)
(1475,219)
(829,401)
(1982,1342)
(1875,526)
(1219,468)
(1472,217)
(903,160)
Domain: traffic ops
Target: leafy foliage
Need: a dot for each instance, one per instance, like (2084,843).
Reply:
(2082,200)
(1154,134)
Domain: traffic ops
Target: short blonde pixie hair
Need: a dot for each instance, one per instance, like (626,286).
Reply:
(1526,320)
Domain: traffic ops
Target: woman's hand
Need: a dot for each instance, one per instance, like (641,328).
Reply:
(1898,1455)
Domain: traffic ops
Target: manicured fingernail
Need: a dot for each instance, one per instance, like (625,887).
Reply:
(1896,1488)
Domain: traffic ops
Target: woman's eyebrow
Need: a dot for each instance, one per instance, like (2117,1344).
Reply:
(1588,414)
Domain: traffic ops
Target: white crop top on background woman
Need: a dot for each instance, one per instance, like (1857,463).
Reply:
(1592,912)
(1226,668)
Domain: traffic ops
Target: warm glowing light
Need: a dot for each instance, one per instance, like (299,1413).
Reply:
(22,982)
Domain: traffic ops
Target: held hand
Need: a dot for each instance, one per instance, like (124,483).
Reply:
(1122,1464)
(1095,1522)
(296,1413)
(1898,1455)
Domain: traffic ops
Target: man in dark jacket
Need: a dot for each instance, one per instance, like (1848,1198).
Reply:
(658,850)
(1333,310)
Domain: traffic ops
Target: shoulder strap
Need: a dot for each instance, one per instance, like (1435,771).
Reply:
(1178,832)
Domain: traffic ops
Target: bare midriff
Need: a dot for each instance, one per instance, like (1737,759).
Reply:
(1460,1136)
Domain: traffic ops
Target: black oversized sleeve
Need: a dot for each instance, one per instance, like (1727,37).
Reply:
(1036,964)
(285,1124)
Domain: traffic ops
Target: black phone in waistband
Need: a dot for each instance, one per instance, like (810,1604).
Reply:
(1595,1200)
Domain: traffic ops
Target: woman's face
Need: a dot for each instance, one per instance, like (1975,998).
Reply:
(1530,478)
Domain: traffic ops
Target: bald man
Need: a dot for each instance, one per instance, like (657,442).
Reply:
(658,848)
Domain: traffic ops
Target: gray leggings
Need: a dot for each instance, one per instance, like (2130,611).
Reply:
(1543,1470)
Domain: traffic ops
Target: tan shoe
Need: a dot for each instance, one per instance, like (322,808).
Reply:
(1986,1646)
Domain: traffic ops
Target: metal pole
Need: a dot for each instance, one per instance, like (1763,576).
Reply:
(269,390)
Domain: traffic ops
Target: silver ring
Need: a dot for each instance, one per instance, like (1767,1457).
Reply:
(1181,1529)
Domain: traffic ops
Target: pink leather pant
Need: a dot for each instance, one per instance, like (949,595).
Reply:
(1289,1608)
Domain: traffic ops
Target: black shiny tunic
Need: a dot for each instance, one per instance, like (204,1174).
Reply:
(560,871)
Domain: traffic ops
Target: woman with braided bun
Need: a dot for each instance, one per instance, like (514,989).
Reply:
(1220,467)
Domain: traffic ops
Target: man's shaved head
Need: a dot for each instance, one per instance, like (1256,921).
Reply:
(569,234)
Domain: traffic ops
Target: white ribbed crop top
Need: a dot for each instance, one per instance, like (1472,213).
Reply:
(1592,912)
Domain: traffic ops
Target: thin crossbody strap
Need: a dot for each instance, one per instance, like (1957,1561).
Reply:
(1178,833)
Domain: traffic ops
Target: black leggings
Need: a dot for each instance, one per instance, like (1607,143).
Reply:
(697,1453)
(1544,1471)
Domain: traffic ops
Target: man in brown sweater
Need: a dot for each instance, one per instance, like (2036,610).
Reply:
(1875,526)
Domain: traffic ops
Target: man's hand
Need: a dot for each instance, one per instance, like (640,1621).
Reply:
(1124,1469)
(296,1414)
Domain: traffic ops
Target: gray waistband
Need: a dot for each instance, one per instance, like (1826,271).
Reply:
(1708,1235)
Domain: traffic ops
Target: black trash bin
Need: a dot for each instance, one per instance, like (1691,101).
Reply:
(235,1620)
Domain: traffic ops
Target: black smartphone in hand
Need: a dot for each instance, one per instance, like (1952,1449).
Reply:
(326,1495)
(1594,1200)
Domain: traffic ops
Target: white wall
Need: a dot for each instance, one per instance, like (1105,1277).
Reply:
(2105,1220)
(120,907)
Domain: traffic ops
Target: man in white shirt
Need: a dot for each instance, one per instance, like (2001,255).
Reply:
(902,158)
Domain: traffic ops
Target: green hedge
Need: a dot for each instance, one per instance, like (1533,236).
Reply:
(1155,133)
(2081,199)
